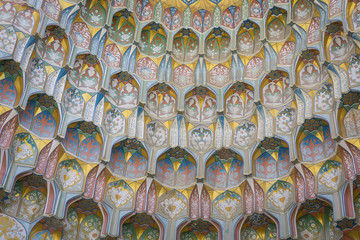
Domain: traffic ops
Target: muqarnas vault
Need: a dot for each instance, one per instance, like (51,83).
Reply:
(179,119)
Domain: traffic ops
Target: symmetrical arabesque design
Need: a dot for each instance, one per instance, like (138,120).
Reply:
(179,119)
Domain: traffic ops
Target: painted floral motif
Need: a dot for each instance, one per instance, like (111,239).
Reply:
(254,68)
(324,100)
(276,30)
(10,206)
(237,107)
(208,111)
(146,69)
(52,9)
(194,204)
(286,53)
(309,75)
(86,73)
(266,166)
(123,90)
(330,174)
(90,227)
(152,199)
(256,10)
(55,53)
(250,233)
(231,17)
(95,15)
(152,41)
(117,161)
(134,165)
(354,70)
(144,10)
(161,103)
(119,193)
(199,229)
(246,43)
(81,35)
(186,173)
(44,125)
(114,121)
(215,50)
(150,233)
(122,29)
(156,134)
(314,31)
(70,175)
(140,200)
(175,169)
(143,223)
(112,56)
(25,21)
(172,204)
(309,227)
(183,76)
(73,101)
(286,120)
(311,149)
(8,132)
(128,96)
(216,174)
(172,18)
(270,231)
(71,224)
(201,20)
(224,169)
(339,47)
(355,16)
(280,194)
(32,206)
(192,108)
(8,12)
(201,139)
(219,75)
(37,72)
(334,8)
(89,149)
(302,11)
(245,135)
(352,122)
(7,39)
(185,46)
(259,200)
(234,105)
(227,204)
(273,94)
(24,149)
(10,228)
(90,79)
